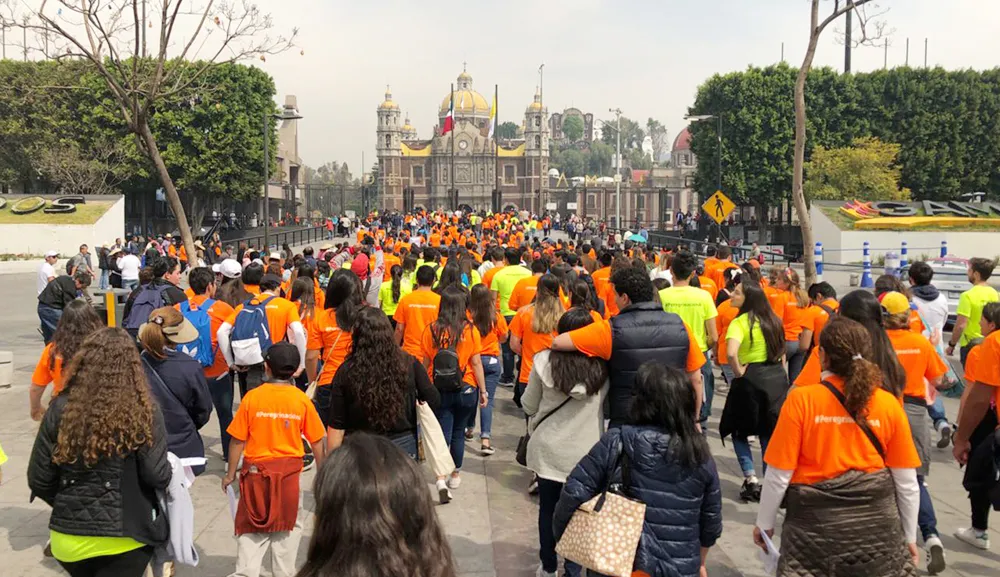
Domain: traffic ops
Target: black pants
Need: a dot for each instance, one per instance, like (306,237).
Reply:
(131,564)
(978,479)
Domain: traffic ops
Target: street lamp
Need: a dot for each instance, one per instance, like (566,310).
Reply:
(267,170)
(618,163)
(697,117)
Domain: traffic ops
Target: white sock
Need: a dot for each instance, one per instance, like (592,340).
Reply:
(441,484)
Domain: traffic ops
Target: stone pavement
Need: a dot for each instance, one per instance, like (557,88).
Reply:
(492,523)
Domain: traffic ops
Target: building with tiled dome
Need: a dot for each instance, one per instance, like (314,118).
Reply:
(418,173)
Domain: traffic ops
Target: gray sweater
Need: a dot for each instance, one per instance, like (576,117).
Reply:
(566,436)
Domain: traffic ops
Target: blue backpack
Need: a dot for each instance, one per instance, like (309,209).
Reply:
(201,348)
(251,336)
(149,299)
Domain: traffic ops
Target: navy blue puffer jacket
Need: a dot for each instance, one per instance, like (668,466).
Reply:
(683,506)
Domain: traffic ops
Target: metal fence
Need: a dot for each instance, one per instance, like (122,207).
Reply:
(279,237)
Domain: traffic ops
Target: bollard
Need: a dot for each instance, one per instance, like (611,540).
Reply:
(902,256)
(818,258)
(111,301)
(944,248)
(866,275)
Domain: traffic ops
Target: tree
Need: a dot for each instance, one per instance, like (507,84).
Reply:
(574,163)
(600,160)
(632,133)
(816,28)
(507,131)
(865,171)
(658,134)
(572,128)
(97,172)
(112,36)
(639,160)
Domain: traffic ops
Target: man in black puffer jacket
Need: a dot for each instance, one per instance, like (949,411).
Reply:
(642,331)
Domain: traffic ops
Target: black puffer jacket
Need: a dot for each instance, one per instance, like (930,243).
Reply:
(114,498)
(683,506)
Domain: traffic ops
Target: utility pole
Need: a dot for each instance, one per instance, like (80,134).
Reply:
(907,52)
(847,42)
(925,52)
(618,168)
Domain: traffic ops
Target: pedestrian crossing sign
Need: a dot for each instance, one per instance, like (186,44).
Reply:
(718,206)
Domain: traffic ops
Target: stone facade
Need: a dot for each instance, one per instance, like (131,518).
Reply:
(557,119)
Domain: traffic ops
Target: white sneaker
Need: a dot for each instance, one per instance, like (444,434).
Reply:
(976,538)
(444,495)
(934,555)
(543,573)
(945,430)
(454,482)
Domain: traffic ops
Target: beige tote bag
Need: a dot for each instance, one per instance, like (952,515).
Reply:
(435,448)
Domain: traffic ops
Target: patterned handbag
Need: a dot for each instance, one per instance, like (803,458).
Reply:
(604,532)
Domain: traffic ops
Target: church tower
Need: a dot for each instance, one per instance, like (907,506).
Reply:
(536,152)
(387,146)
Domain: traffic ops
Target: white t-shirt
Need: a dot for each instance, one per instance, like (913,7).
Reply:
(45,272)
(934,313)
(129,265)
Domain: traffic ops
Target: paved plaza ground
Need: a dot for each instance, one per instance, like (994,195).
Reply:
(492,523)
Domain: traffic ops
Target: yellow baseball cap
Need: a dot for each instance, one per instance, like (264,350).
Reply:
(895,303)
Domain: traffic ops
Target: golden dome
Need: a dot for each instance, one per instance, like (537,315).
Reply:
(537,104)
(466,102)
(388,104)
(464,76)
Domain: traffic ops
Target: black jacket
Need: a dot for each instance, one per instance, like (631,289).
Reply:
(59,293)
(641,332)
(186,402)
(114,498)
(754,401)
(683,506)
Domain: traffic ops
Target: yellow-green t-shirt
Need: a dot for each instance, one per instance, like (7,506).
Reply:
(970,306)
(750,352)
(503,283)
(693,305)
(385,295)
(73,548)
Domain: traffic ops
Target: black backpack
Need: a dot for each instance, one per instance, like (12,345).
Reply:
(447,371)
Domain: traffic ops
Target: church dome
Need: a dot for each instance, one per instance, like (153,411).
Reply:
(468,102)
(683,141)
(535,106)
(388,103)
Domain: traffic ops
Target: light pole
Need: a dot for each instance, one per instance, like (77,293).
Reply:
(618,167)
(697,117)
(267,171)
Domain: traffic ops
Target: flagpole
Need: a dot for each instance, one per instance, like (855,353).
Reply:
(454,122)
(496,142)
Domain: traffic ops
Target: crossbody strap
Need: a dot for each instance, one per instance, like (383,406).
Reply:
(862,424)
(552,412)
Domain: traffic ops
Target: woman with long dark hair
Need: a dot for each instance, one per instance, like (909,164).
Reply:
(457,372)
(843,440)
(451,275)
(106,435)
(79,320)
(377,387)
(658,457)
(755,349)
(862,306)
(493,332)
(329,337)
(303,294)
(373,516)
(563,402)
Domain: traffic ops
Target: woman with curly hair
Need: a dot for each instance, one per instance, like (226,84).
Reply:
(100,455)
(79,321)
(377,388)
(373,516)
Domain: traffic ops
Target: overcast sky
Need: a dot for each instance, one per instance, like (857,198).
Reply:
(646,57)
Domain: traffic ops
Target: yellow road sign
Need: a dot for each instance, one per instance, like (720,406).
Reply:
(718,206)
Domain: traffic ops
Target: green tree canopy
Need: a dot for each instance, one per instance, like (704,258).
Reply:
(572,128)
(632,133)
(866,170)
(507,130)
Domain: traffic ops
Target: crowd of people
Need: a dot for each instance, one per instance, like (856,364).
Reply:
(364,358)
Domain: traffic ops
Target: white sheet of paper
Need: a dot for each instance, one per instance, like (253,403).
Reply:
(769,559)
(233,501)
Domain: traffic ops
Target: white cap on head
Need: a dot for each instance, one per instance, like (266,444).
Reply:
(275,256)
(228,268)
(52,253)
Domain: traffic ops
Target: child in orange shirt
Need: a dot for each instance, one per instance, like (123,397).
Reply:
(79,321)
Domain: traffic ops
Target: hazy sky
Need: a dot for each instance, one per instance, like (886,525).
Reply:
(645,56)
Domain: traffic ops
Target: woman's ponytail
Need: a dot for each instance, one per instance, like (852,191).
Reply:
(845,344)
(860,382)
(396,272)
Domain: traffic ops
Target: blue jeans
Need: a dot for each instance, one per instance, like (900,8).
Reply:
(548,496)
(926,519)
(321,400)
(49,317)
(708,381)
(508,358)
(408,443)
(453,414)
(105,277)
(796,359)
(491,371)
(130,284)
(936,411)
(745,457)
(221,389)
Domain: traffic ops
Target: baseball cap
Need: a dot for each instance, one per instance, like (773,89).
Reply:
(270,280)
(275,256)
(283,359)
(52,253)
(228,268)
(895,303)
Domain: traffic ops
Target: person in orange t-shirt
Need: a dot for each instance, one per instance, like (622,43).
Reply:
(493,331)
(796,301)
(824,303)
(727,313)
(818,438)
(602,276)
(524,289)
(534,327)
(454,332)
(416,310)
(79,321)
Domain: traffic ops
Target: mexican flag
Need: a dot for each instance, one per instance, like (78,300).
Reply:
(449,121)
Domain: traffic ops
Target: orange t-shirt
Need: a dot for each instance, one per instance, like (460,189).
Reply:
(488,277)
(919,359)
(523,293)
(189,293)
(435,239)
(792,319)
(218,313)
(253,289)
(491,340)
(469,345)
(531,342)
(719,272)
(983,365)
(727,312)
(43,375)
(815,318)
(416,311)
(594,340)
(389,259)
(709,286)
(325,335)
(272,419)
(811,371)
(280,313)
(777,299)
(610,303)
(818,440)
(601,277)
